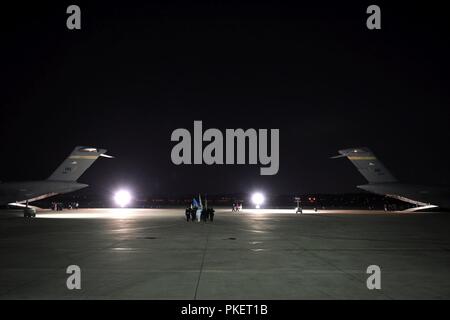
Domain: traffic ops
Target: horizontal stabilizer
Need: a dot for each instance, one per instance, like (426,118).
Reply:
(16,205)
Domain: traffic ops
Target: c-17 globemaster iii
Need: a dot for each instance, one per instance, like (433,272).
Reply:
(62,180)
(382,182)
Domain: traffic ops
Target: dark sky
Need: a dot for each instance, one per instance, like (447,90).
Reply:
(136,71)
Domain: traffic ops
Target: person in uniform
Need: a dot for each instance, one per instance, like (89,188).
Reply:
(211,214)
(188,213)
(204,214)
(193,213)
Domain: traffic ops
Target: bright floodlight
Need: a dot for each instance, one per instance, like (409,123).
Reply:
(258,199)
(122,198)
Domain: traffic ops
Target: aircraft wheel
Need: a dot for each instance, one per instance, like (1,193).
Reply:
(29,213)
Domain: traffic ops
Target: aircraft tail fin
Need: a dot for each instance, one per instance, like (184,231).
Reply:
(77,163)
(368,165)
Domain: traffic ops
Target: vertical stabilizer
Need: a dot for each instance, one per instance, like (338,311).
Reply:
(368,165)
(76,163)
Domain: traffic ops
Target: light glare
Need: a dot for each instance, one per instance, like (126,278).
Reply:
(258,199)
(122,198)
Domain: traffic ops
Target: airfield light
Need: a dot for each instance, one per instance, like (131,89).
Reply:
(122,198)
(258,199)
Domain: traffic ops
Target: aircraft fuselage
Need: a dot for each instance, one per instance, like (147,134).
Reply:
(35,190)
(416,194)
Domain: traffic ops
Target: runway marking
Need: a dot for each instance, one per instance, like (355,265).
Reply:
(203,262)
(259,250)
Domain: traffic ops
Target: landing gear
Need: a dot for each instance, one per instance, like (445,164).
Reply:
(29,212)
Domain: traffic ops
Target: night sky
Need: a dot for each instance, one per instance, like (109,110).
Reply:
(136,71)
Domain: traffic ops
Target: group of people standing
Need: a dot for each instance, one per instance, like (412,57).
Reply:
(59,206)
(199,214)
(237,206)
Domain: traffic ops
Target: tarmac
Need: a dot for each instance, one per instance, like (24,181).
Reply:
(255,254)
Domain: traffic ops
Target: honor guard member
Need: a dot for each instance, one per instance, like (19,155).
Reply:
(211,214)
(188,213)
(204,215)
(193,214)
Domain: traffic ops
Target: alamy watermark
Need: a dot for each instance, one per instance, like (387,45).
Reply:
(374,280)
(73,21)
(74,280)
(239,145)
